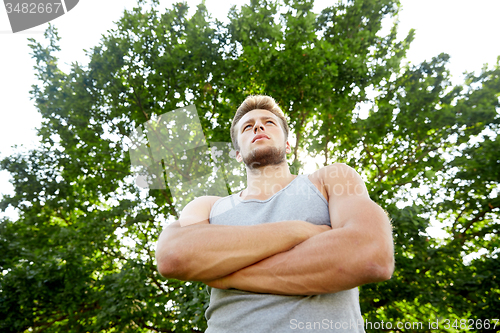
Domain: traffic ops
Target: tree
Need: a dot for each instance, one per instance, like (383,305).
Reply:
(81,255)
(424,141)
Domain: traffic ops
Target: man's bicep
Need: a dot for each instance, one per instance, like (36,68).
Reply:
(358,212)
(350,207)
(347,193)
(366,224)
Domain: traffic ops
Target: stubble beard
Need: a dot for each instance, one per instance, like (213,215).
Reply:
(262,157)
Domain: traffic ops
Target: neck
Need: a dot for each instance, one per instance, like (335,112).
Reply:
(266,181)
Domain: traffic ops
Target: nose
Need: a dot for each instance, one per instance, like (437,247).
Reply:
(258,125)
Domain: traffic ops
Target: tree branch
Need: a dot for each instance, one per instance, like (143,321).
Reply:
(462,235)
(379,177)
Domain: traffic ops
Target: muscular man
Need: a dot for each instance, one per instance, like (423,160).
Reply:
(288,252)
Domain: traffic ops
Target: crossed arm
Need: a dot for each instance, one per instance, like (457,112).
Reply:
(289,257)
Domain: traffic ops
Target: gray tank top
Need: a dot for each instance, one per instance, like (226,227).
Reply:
(241,311)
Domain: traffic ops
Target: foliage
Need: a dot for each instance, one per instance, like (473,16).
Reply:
(80,257)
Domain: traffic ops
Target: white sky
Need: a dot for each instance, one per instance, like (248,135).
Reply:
(466,30)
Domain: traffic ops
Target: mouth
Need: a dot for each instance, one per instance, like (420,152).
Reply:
(260,137)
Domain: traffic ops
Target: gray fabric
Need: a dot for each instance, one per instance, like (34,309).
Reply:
(241,311)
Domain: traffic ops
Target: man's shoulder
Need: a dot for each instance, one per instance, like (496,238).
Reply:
(201,204)
(332,172)
(198,210)
(339,180)
(205,201)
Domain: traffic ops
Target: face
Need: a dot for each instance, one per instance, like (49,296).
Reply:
(261,140)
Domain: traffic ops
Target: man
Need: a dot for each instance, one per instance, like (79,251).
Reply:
(288,252)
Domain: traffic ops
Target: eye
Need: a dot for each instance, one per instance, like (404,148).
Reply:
(247,126)
(270,121)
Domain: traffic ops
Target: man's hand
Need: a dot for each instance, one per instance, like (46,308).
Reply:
(315,229)
(225,282)
(220,283)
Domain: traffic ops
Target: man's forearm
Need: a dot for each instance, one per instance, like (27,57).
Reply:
(206,252)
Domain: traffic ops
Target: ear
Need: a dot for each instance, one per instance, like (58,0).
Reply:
(239,158)
(288,148)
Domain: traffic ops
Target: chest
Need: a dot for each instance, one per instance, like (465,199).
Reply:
(301,202)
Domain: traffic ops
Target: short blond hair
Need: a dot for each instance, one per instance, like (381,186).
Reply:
(257,102)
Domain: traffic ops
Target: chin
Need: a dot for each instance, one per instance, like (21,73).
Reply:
(264,156)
